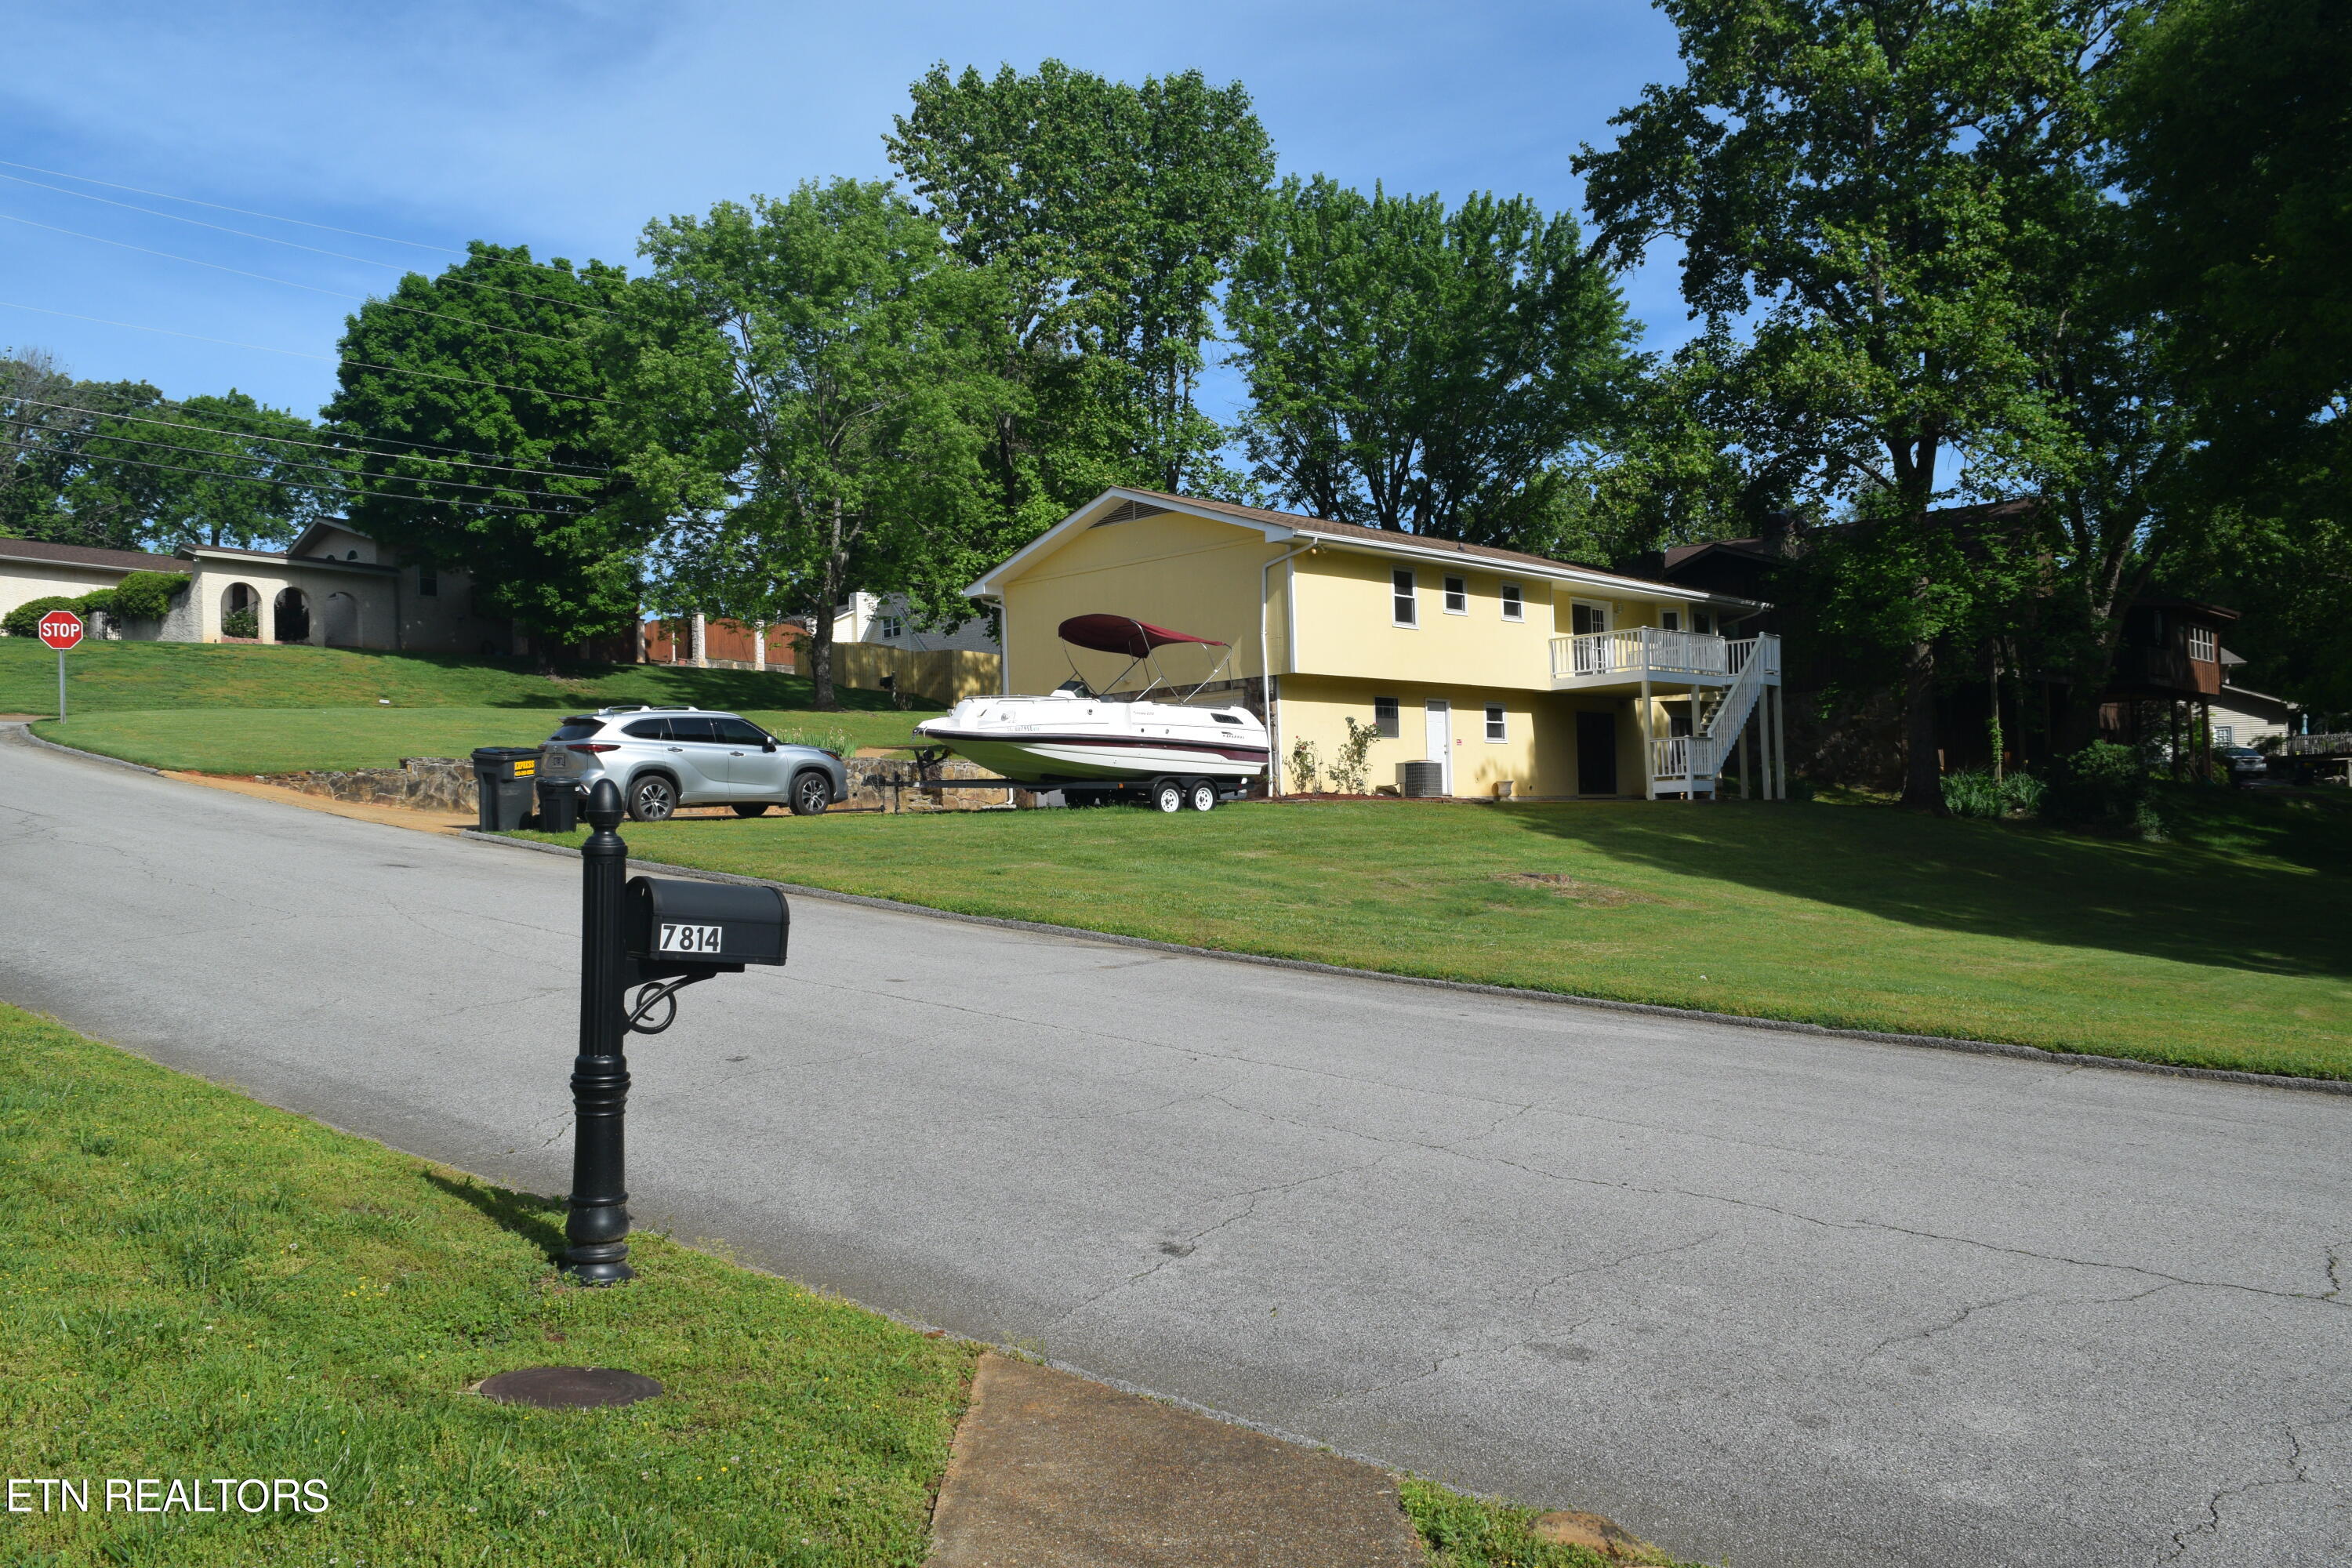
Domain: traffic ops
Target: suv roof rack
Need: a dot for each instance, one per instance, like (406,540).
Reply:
(627,708)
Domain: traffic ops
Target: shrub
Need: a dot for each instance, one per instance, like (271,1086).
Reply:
(241,624)
(2106,787)
(146,595)
(1976,792)
(1349,767)
(24,620)
(1303,765)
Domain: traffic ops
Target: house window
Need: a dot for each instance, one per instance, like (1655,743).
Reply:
(1513,608)
(2201,643)
(1670,620)
(1585,619)
(2225,735)
(1702,621)
(428,583)
(1496,728)
(1384,718)
(1402,599)
(1457,596)
(888,626)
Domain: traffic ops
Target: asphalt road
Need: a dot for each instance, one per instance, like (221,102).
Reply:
(1785,1299)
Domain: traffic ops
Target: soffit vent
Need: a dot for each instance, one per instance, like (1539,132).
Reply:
(1130,511)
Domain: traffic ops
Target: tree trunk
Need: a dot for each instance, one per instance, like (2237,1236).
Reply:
(1923,779)
(820,645)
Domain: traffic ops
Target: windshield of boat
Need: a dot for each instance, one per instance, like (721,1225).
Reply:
(1076,687)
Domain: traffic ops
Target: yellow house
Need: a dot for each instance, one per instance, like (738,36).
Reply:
(1515,675)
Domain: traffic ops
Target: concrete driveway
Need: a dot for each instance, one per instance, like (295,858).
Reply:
(1788,1301)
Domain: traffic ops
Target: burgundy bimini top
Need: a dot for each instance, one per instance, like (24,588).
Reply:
(1123,634)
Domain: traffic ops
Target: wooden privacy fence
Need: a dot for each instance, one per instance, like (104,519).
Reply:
(940,678)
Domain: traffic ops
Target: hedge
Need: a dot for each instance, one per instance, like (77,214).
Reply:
(140,596)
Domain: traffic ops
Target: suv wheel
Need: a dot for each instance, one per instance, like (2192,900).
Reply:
(652,799)
(812,792)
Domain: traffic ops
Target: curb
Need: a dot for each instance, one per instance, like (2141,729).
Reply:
(25,732)
(1516,993)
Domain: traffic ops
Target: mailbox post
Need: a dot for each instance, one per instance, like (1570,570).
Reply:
(656,935)
(598,1225)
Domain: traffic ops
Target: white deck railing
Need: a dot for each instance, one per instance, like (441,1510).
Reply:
(1647,650)
(2317,745)
(1637,650)
(1686,757)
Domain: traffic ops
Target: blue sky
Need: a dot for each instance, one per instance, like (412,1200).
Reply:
(567,126)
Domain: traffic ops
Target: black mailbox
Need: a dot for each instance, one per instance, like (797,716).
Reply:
(680,927)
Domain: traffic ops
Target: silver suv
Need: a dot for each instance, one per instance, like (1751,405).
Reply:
(664,758)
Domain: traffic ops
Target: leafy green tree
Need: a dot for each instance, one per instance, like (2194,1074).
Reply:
(2233,122)
(471,405)
(1867,180)
(1109,213)
(210,470)
(1417,369)
(807,391)
(46,420)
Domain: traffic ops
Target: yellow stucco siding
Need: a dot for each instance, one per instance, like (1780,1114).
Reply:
(1538,752)
(1348,625)
(1186,573)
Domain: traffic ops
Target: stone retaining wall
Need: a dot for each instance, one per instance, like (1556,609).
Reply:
(447,783)
(421,784)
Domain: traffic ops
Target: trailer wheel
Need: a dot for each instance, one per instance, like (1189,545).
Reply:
(1205,796)
(1167,796)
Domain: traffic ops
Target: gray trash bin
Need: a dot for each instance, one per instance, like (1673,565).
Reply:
(503,779)
(559,806)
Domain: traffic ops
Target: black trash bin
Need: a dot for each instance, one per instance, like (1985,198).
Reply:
(503,777)
(559,806)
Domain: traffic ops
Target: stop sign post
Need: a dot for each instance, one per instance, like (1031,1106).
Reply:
(61,629)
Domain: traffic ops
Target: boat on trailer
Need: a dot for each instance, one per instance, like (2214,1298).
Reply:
(1097,748)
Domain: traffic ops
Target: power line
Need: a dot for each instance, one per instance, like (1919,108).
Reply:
(289,282)
(241,212)
(340,490)
(295,462)
(467,461)
(315,250)
(297,353)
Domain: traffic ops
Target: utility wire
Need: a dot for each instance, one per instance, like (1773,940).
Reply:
(465,462)
(241,212)
(315,250)
(297,353)
(297,463)
(289,282)
(287,484)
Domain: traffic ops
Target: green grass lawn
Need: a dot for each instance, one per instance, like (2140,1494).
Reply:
(243,708)
(2226,947)
(196,1285)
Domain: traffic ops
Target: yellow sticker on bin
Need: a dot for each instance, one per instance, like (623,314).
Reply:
(526,766)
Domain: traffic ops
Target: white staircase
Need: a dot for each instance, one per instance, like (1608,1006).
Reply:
(1690,765)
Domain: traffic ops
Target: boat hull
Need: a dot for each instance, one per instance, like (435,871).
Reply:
(1050,759)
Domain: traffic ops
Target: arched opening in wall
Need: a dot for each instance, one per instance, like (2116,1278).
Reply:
(293,621)
(342,621)
(240,612)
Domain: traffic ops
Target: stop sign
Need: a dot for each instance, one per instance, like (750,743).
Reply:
(61,629)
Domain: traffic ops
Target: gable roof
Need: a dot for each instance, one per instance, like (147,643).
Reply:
(88,555)
(1281,526)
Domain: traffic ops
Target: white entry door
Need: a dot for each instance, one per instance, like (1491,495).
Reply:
(1441,738)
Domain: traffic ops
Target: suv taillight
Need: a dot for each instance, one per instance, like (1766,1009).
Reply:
(585,747)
